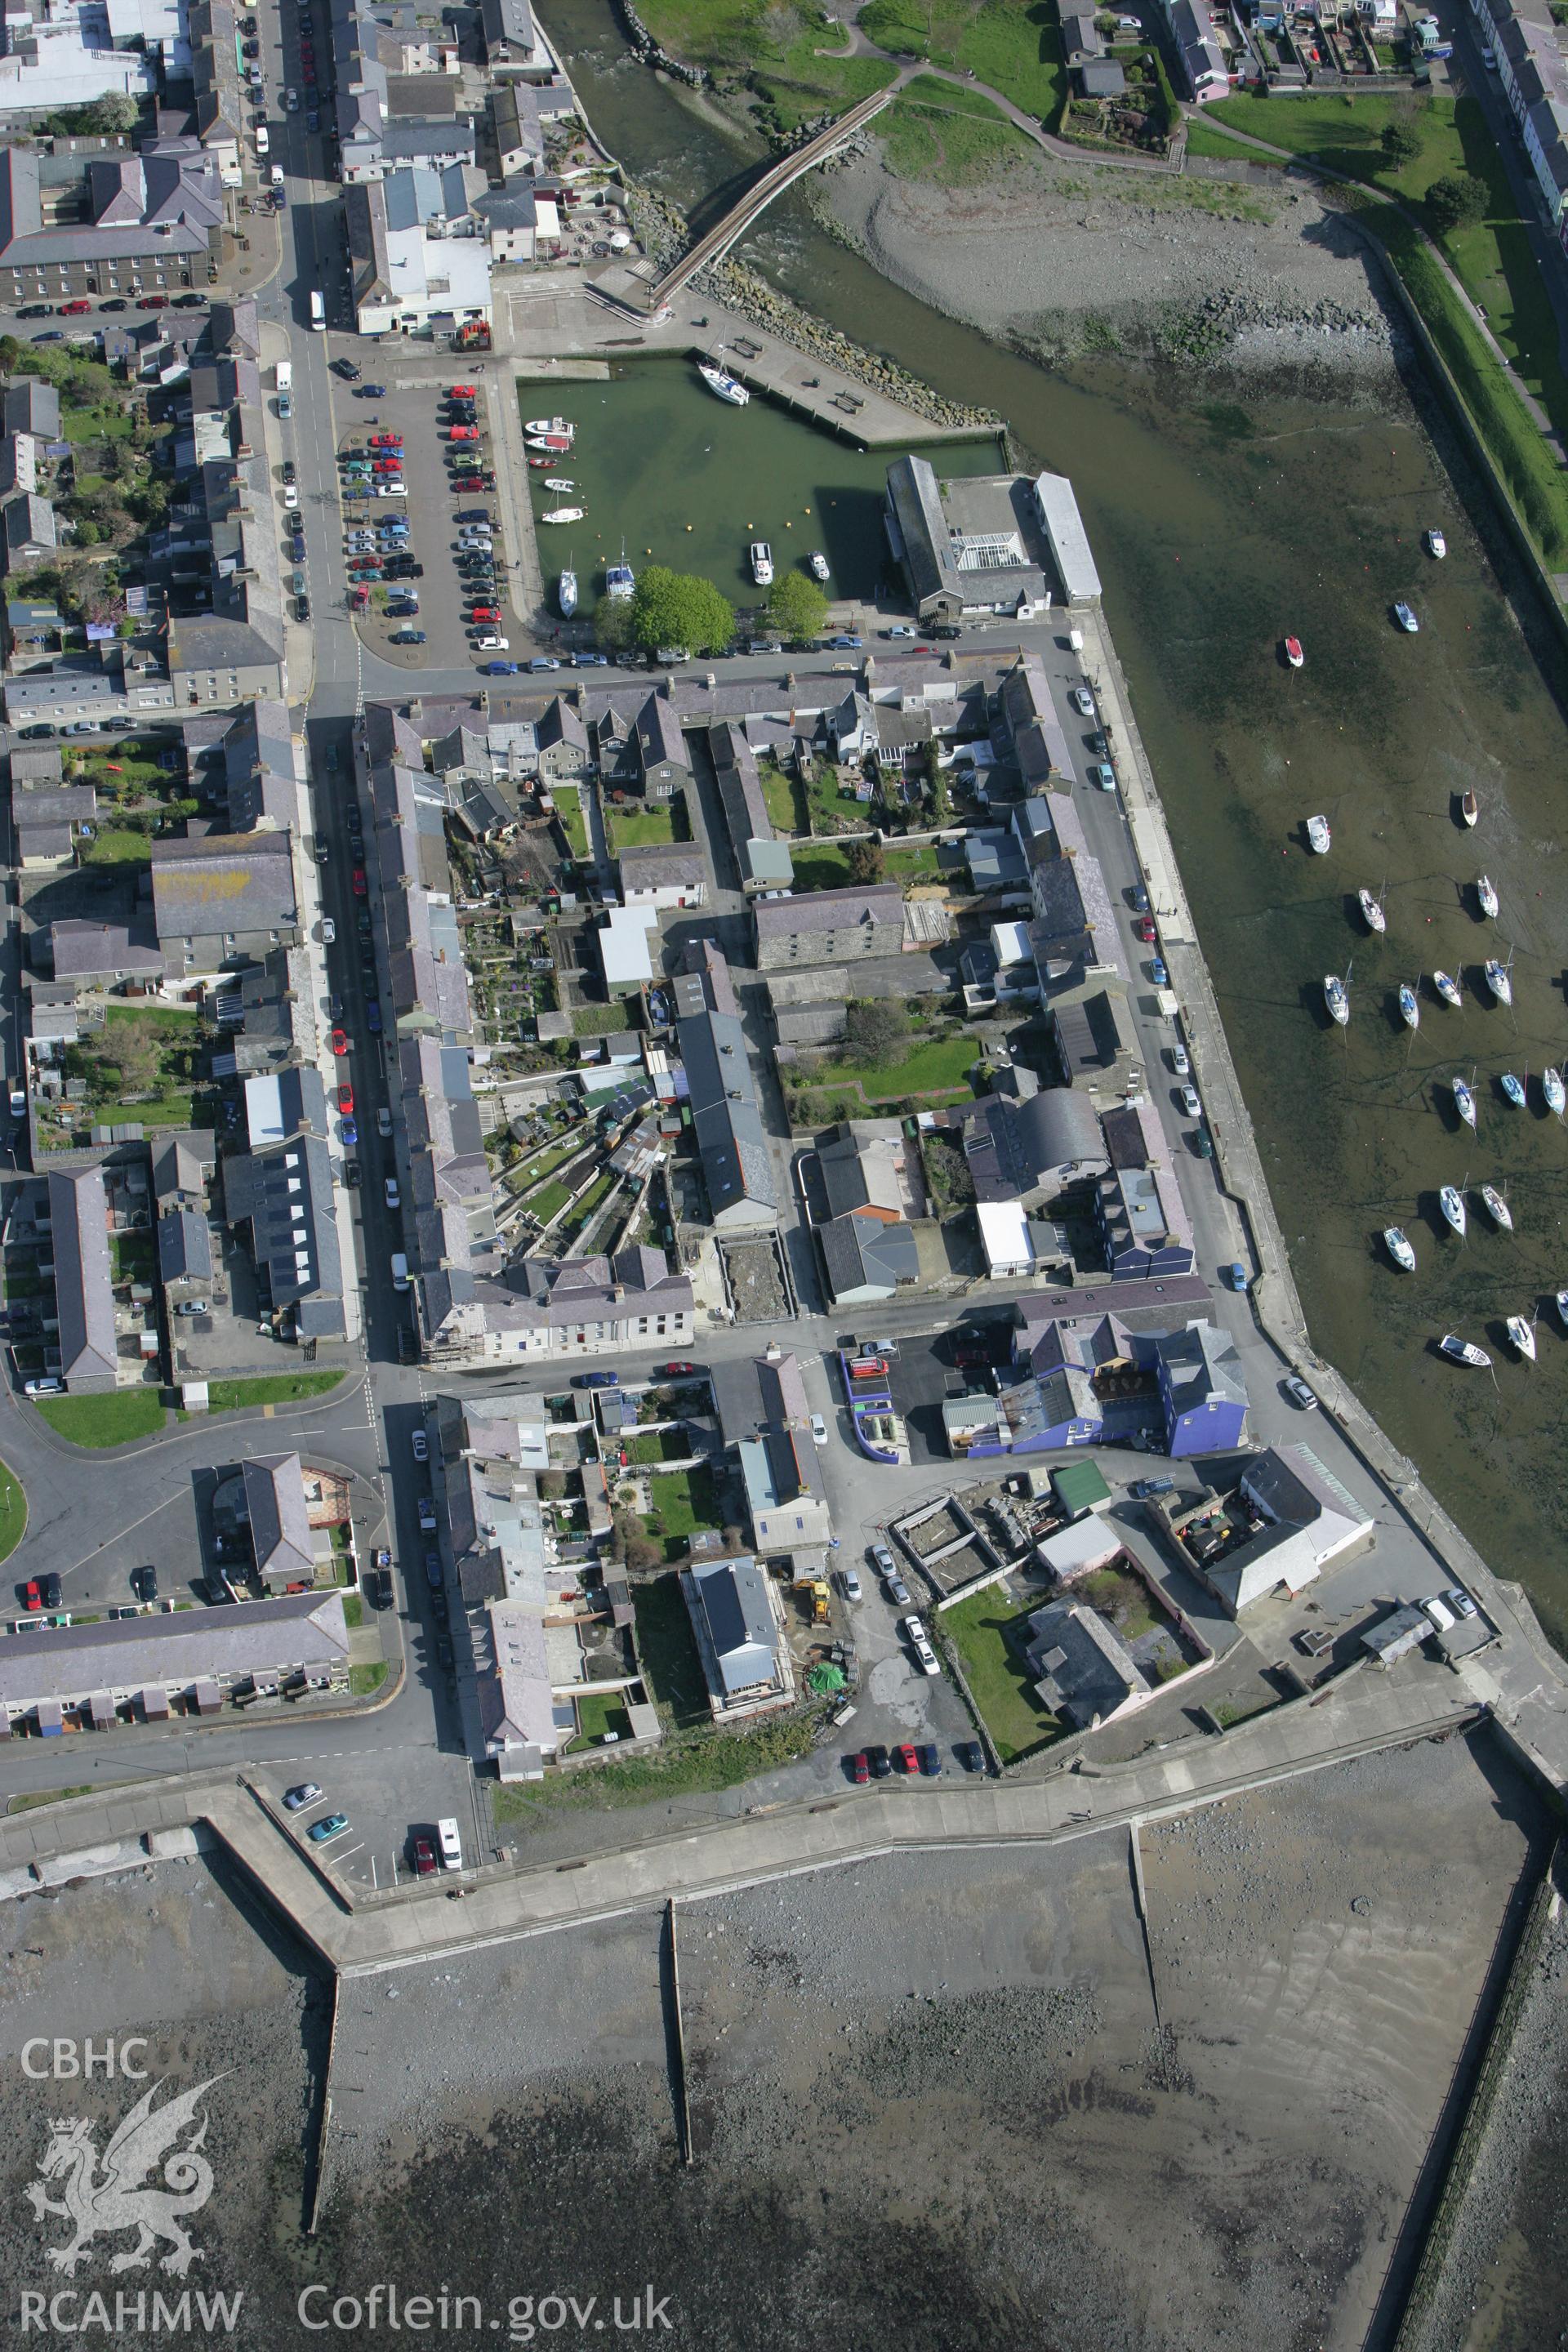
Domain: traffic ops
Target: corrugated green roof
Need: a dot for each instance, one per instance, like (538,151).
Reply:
(1079,1486)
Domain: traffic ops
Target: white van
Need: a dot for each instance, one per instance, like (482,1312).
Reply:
(399,1270)
(451,1844)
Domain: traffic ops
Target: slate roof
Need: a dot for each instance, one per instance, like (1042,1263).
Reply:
(219,882)
(298,1630)
(84,1297)
(860,1251)
(184,1246)
(280,1518)
(726,1116)
(879,904)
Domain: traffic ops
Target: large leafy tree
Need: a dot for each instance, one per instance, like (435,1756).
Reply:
(796,606)
(677,608)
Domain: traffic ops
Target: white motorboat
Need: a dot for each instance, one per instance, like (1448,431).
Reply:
(1293,653)
(1498,980)
(1465,1351)
(818,562)
(1447,989)
(1522,1331)
(1407,619)
(1451,1201)
(559,482)
(1465,1103)
(550,425)
(1336,995)
(1497,1208)
(1376,920)
(1469,807)
(1485,897)
(567,593)
(563,514)
(761,563)
(554,444)
(1514,1088)
(1396,1241)
(721,383)
(620,580)
(1551,1087)
(1409,1005)
(1318,835)
(1436,545)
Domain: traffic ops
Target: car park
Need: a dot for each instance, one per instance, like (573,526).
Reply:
(305,1794)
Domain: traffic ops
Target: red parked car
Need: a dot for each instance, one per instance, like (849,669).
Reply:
(74,310)
(358,599)
(463,433)
(424,1858)
(463,391)
(345,1098)
(32,1598)
(153,302)
(387,440)
(484,613)
(858,1770)
(468,482)
(339,1042)
(1146,930)
(905,1758)
(360,887)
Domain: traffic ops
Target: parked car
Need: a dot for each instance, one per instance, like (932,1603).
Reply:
(818,1429)
(1235,1274)
(424,1858)
(1190,1102)
(393,1196)
(1141,1488)
(853,1587)
(970,1754)
(332,1825)
(1299,1394)
(305,1794)
(596,1379)
(930,1759)
(1157,972)
(1083,701)
(678,1371)
(145,1583)
(858,1769)
(1144,928)
(1179,1062)
(905,1757)
(49,1585)
(1138,898)
(880,1762)
(421,1446)
(498,669)
(920,1642)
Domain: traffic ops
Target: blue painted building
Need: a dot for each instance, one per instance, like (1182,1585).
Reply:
(1203,1390)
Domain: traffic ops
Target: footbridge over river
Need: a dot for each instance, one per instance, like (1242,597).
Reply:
(773,182)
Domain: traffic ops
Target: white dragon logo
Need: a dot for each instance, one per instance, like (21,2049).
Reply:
(122,2198)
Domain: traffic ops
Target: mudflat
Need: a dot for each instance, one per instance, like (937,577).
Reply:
(949,2099)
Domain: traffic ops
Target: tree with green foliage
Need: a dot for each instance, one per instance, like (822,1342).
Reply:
(677,608)
(612,625)
(863,861)
(877,1029)
(1457,200)
(796,606)
(1400,142)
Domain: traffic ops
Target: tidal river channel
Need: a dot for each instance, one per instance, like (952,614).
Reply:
(1222,517)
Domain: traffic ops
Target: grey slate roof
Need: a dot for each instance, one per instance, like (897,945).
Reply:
(220,882)
(78,1212)
(279,1521)
(728,1600)
(868,1252)
(184,1246)
(727,1117)
(879,904)
(286,1193)
(300,1630)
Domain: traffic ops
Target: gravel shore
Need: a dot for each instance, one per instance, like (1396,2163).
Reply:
(1061,259)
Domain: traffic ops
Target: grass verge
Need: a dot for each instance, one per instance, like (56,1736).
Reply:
(96,1421)
(13,1511)
(711,1760)
(280,1388)
(362,1680)
(36,1797)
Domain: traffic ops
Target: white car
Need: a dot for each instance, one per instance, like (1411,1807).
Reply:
(1083,701)
(391,490)
(384,1121)
(490,645)
(394,1197)
(1190,1102)
(291,495)
(421,1446)
(920,1642)
(292,100)
(329,930)
(851,1580)
(819,1429)
(1179,1062)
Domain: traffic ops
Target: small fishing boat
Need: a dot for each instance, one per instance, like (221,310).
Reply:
(1336,995)
(1396,1241)
(818,564)
(559,482)
(721,383)
(1447,989)
(1522,1331)
(1465,1103)
(1318,836)
(1514,1088)
(538,464)
(555,443)
(1485,897)
(1469,808)
(567,594)
(762,563)
(1376,920)
(563,514)
(1465,1351)
(1451,1201)
(1409,1005)
(1551,1087)
(1436,545)
(1498,980)
(1497,1208)
(1293,653)
(550,425)
(1407,619)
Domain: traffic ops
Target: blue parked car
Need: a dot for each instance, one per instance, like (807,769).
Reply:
(596,1379)
(372,1017)
(432,1569)
(350,1132)
(498,669)
(848,644)
(1235,1274)
(1157,972)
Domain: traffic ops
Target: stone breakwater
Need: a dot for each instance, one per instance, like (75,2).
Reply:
(1230,327)
(652,53)
(743,291)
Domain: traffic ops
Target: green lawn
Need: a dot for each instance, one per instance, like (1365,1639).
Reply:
(114,844)
(549,1201)
(280,1388)
(569,817)
(602,1711)
(927,1068)
(141,1051)
(13,1511)
(668,1651)
(105,1419)
(933,131)
(997,1673)
(639,828)
(362,1680)
(683,1501)
(823,866)
(542,1163)
(919,864)
(782,797)
(1013,45)
(353,1609)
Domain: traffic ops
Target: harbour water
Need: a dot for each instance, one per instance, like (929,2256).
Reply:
(1221,518)
(723,477)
